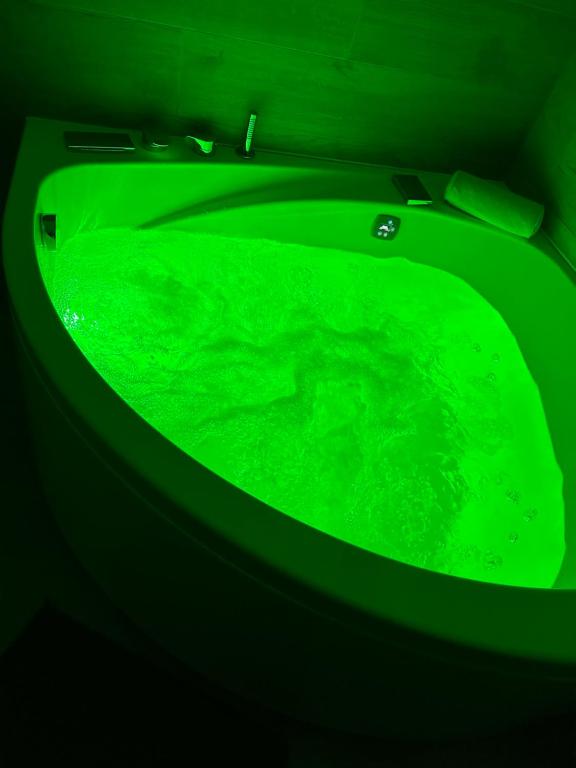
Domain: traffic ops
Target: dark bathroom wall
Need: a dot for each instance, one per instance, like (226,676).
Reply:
(546,164)
(435,84)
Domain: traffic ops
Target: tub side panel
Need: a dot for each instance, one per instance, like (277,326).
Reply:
(246,636)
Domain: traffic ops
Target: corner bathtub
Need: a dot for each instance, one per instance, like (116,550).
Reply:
(266,606)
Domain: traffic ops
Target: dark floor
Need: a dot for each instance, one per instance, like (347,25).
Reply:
(68,697)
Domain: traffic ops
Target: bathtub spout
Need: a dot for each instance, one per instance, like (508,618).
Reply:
(202,145)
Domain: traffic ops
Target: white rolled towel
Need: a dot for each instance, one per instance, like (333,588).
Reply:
(494,203)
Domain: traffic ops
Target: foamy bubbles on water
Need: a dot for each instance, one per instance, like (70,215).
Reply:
(513,495)
(492,561)
(347,392)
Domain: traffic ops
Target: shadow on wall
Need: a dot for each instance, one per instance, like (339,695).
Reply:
(11,129)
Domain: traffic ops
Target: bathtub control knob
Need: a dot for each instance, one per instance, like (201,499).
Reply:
(386,227)
(154,140)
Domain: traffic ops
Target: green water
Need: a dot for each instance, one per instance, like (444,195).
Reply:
(381,401)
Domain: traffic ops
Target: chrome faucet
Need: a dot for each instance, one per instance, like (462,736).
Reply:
(202,145)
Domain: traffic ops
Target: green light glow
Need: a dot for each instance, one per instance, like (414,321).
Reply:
(382,401)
